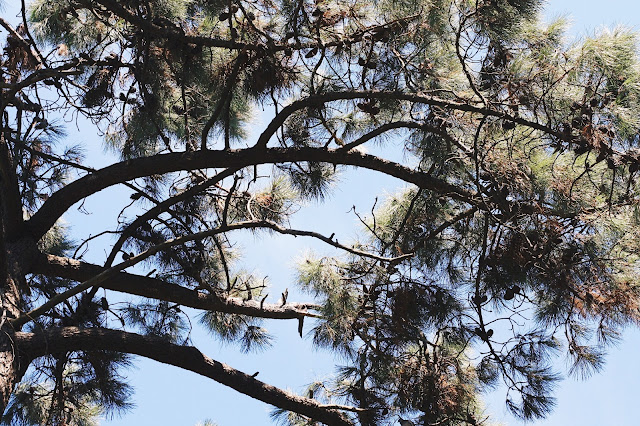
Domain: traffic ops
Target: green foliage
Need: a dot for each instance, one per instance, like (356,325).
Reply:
(158,318)
(77,389)
(233,327)
(30,406)
(313,181)
(60,22)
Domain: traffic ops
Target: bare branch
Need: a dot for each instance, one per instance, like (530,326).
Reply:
(378,131)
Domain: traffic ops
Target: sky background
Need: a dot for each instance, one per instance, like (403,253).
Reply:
(166,395)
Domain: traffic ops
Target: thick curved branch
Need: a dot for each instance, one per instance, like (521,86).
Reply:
(124,171)
(186,357)
(159,164)
(155,288)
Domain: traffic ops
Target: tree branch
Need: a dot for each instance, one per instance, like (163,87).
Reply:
(379,131)
(59,202)
(170,32)
(163,207)
(154,288)
(107,273)
(323,98)
(186,357)
(121,172)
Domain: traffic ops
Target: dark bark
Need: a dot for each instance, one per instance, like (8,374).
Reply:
(33,345)
(11,200)
(12,369)
(161,290)
(15,258)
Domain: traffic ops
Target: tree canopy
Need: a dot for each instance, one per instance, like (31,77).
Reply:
(513,241)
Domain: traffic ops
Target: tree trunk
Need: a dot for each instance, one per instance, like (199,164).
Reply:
(15,258)
(11,370)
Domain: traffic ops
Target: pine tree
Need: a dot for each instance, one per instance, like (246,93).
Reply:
(515,240)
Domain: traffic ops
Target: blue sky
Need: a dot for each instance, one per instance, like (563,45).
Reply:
(168,396)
